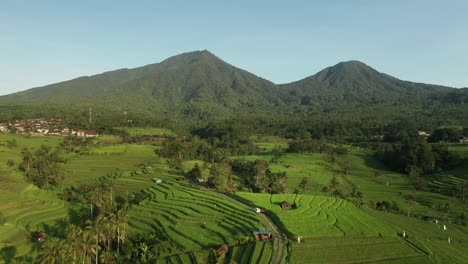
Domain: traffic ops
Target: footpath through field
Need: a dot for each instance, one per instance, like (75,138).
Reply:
(279,245)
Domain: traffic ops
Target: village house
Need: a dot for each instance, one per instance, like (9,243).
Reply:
(3,128)
(65,132)
(80,133)
(91,133)
(423,134)
(42,126)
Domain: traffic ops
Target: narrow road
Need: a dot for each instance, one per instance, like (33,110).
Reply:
(279,243)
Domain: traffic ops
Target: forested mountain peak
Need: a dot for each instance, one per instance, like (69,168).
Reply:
(198,84)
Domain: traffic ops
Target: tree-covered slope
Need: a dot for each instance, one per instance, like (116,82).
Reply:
(200,85)
(195,80)
(355,82)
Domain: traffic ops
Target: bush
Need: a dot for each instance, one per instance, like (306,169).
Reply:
(2,219)
(10,163)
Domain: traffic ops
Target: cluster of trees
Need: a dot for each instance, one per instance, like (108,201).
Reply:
(227,135)
(258,176)
(416,157)
(448,134)
(220,177)
(76,144)
(389,207)
(98,230)
(179,149)
(101,240)
(43,167)
(333,188)
(307,146)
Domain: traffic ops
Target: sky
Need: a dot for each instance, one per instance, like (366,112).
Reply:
(44,41)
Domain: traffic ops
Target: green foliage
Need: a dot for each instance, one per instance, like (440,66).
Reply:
(220,178)
(445,135)
(307,146)
(195,172)
(42,168)
(2,219)
(259,177)
(76,144)
(200,86)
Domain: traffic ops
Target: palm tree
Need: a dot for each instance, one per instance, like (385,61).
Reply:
(96,229)
(409,200)
(75,241)
(121,221)
(27,160)
(88,246)
(52,251)
(108,230)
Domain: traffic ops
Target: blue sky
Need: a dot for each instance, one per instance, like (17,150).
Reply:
(43,42)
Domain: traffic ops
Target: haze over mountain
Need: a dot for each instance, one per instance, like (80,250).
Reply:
(199,84)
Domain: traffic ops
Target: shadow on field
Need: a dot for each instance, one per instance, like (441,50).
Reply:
(7,254)
(74,215)
(278,223)
(371,161)
(276,220)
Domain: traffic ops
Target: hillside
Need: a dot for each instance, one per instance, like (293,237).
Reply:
(187,83)
(199,85)
(355,82)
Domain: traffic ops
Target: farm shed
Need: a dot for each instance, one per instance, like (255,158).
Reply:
(263,234)
(157,180)
(285,205)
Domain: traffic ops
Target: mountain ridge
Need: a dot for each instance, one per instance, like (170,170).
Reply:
(201,85)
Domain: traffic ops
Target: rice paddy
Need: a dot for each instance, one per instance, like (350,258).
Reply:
(198,220)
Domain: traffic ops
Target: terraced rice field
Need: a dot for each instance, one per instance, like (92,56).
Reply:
(194,219)
(26,208)
(391,186)
(105,160)
(335,231)
(430,238)
(318,215)
(259,252)
(355,250)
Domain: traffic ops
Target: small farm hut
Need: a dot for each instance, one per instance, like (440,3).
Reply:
(263,234)
(157,180)
(41,236)
(285,205)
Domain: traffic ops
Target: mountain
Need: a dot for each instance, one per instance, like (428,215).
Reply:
(355,82)
(195,82)
(199,85)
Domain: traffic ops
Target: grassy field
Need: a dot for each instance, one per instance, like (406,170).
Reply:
(269,143)
(354,250)
(430,237)
(318,216)
(207,219)
(391,186)
(27,209)
(197,220)
(108,159)
(150,131)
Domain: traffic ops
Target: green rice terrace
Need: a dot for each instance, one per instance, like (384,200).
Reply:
(178,209)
